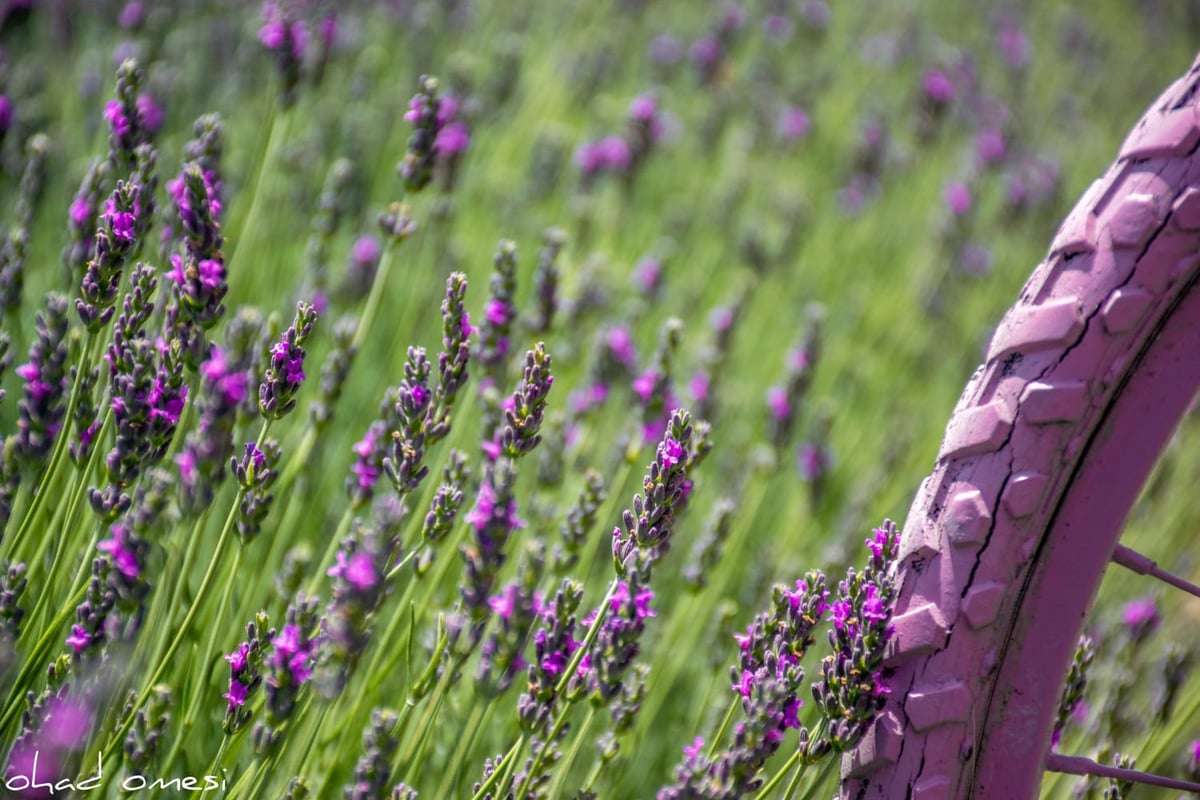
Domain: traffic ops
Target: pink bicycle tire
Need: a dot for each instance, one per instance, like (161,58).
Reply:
(1085,380)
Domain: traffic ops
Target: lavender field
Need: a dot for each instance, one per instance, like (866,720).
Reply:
(452,398)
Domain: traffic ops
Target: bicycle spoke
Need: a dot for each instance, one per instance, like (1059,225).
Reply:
(1078,765)
(1142,565)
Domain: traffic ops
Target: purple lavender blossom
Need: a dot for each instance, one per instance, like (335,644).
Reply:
(115,238)
(792,124)
(43,406)
(499,314)
(653,387)
(368,464)
(148,395)
(525,409)
(209,446)
(417,167)
(373,771)
(414,399)
(285,372)
(1141,618)
(245,672)
(515,609)
(286,37)
(358,589)
(1077,680)
(646,529)
(851,689)
(256,475)
(545,281)
(127,127)
(82,216)
(493,521)
(287,667)
(554,645)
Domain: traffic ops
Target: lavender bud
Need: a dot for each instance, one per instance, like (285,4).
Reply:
(256,475)
(579,522)
(707,552)
(525,409)
(545,280)
(498,315)
(12,585)
(397,223)
(43,401)
(417,167)
(285,372)
(358,589)
(334,372)
(454,358)
(286,37)
(146,733)
(246,666)
(448,499)
(413,401)
(1077,680)
(374,767)
(646,528)
(287,669)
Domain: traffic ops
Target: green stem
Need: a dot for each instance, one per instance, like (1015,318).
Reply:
(462,750)
(565,767)
(720,734)
(501,771)
(216,762)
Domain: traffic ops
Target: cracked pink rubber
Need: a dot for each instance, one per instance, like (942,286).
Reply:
(1053,437)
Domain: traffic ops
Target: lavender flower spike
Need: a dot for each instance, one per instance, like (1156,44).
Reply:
(404,465)
(417,167)
(256,475)
(277,392)
(524,411)
(647,527)
(499,313)
(43,401)
(851,691)
(454,358)
(374,768)
(246,672)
